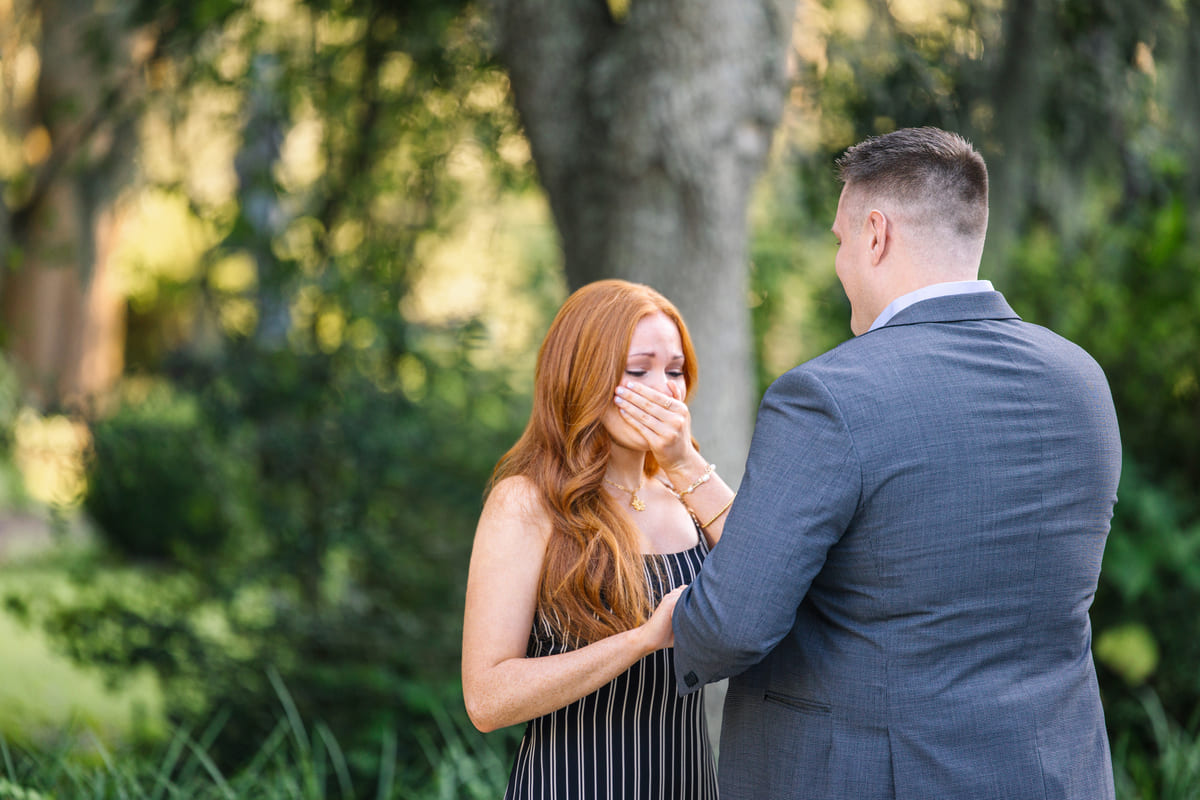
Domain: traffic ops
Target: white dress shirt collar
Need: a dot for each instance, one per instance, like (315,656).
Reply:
(927,292)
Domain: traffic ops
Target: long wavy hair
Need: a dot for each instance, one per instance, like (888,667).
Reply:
(593,580)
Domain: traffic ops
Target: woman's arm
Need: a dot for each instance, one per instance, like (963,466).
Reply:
(710,499)
(501,686)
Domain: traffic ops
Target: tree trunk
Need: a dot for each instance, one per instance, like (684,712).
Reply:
(60,308)
(1019,92)
(649,133)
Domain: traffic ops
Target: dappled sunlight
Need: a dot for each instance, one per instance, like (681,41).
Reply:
(238,315)
(234,274)
(396,69)
(331,324)
(36,147)
(413,377)
(50,453)
(301,161)
(482,270)
(481,267)
(161,239)
(193,144)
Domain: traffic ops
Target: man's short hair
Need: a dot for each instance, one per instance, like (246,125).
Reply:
(928,171)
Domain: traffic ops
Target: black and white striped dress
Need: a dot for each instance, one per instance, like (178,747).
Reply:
(634,739)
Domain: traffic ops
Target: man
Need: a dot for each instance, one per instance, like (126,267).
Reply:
(903,584)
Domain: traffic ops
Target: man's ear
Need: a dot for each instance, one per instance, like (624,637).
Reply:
(877,225)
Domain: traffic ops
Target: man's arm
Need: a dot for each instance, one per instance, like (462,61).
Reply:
(800,490)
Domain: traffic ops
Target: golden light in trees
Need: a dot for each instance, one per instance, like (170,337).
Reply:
(37,146)
(618,9)
(331,328)
(50,454)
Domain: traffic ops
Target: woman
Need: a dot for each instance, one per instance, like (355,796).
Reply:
(595,521)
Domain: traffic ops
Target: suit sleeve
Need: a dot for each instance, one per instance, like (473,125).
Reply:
(800,489)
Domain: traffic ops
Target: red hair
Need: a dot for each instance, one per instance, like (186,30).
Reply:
(593,580)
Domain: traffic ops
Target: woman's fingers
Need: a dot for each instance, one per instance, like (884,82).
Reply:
(660,621)
(658,427)
(662,419)
(651,403)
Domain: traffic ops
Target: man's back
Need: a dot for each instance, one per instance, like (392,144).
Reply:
(942,648)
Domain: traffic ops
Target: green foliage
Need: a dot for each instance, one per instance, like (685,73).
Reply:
(154,463)
(300,490)
(12,490)
(299,759)
(43,694)
(1150,587)
(798,308)
(1172,769)
(1127,291)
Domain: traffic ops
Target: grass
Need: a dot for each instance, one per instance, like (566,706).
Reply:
(1172,772)
(299,761)
(43,693)
(295,762)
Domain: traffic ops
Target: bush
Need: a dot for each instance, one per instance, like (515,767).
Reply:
(304,520)
(161,486)
(1147,632)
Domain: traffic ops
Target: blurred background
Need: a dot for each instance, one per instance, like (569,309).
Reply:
(273,275)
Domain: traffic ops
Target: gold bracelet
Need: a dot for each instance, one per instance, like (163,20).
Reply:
(696,484)
(715,516)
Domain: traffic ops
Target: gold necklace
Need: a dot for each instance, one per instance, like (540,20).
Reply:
(634,500)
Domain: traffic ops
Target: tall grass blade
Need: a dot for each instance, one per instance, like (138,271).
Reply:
(387,764)
(337,759)
(162,777)
(269,751)
(1176,769)
(192,767)
(298,730)
(465,766)
(213,771)
(9,767)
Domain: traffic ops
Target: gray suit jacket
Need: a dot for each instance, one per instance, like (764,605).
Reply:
(903,584)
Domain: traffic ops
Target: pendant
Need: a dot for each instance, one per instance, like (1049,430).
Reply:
(637,503)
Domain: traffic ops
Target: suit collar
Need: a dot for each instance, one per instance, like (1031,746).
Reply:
(954,308)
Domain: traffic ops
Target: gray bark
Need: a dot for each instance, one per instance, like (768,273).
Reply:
(648,135)
(1019,92)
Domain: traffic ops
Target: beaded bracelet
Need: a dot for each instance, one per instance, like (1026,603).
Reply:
(696,484)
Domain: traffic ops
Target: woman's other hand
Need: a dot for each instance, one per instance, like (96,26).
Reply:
(657,630)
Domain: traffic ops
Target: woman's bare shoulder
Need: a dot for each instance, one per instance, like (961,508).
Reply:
(516,502)
(517,493)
